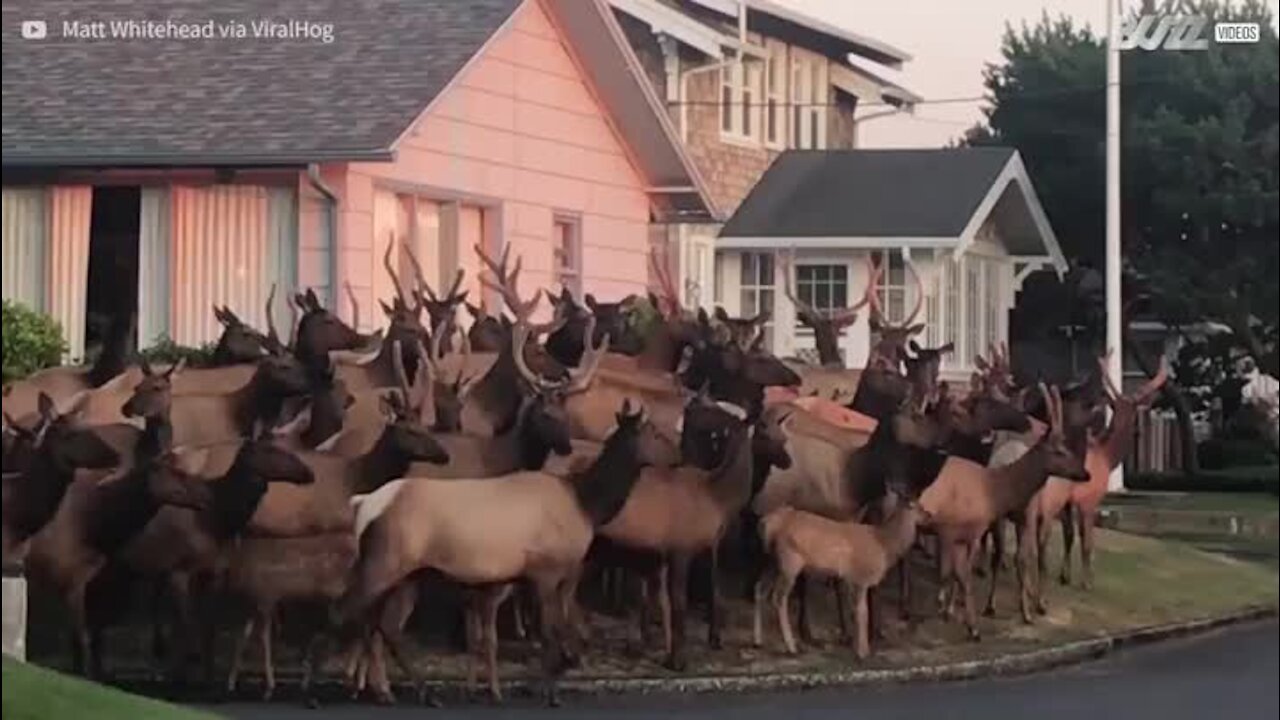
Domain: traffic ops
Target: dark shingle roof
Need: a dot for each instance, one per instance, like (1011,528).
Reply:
(868,193)
(69,101)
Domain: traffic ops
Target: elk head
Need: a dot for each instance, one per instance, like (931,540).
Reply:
(827,325)
(923,365)
(487,333)
(447,394)
(1140,399)
(320,331)
(239,343)
(1063,460)
(915,426)
(325,408)
(652,447)
(889,340)
(405,431)
(56,439)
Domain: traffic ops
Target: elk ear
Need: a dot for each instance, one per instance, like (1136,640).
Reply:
(762,318)
(703,319)
(462,297)
(314,301)
(145,366)
(915,329)
(301,301)
(176,368)
(653,300)
(591,302)
(915,347)
(948,348)
(721,315)
(45,406)
(217,315)
(386,309)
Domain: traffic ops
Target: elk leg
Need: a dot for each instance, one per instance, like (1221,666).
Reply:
(237,655)
(664,604)
(781,593)
(842,608)
(641,613)
(80,628)
(184,619)
(1025,563)
(552,656)
(490,635)
(713,601)
(904,587)
(997,562)
(679,583)
(858,596)
(472,619)
(802,609)
(268,667)
(1087,529)
(964,574)
(1042,561)
(946,574)
(763,582)
(985,548)
(1068,542)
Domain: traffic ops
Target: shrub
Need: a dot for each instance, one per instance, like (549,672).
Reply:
(1229,452)
(32,341)
(165,351)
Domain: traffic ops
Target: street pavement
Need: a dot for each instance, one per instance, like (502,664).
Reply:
(1227,674)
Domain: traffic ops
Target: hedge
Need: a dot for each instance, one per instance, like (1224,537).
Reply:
(32,341)
(166,352)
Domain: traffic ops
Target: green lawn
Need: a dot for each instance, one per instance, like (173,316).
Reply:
(1242,503)
(34,693)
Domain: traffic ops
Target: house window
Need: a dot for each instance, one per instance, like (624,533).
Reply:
(808,99)
(775,110)
(567,247)
(951,331)
(972,307)
(892,289)
(741,87)
(991,302)
(824,287)
(757,287)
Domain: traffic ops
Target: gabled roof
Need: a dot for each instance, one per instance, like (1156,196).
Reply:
(152,101)
(937,198)
(224,102)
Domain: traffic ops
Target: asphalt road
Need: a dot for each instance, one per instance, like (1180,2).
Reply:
(1230,674)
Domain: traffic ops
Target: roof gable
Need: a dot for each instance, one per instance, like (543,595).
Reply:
(873,198)
(143,101)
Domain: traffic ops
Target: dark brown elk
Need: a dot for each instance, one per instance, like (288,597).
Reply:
(487,333)
(527,525)
(57,448)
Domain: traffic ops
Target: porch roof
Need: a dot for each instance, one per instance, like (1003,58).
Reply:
(935,198)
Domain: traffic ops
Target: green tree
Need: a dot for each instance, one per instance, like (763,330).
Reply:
(1199,168)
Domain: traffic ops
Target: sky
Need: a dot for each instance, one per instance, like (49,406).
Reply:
(950,42)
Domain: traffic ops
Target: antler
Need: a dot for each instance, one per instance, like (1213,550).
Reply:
(395,279)
(786,265)
(507,285)
(355,306)
(579,378)
(874,270)
(1048,405)
(1104,363)
(662,272)
(915,311)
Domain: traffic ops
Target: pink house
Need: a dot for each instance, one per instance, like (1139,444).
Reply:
(161,176)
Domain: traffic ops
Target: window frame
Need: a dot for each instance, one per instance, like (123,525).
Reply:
(810,89)
(740,103)
(775,98)
(756,289)
(831,283)
(571,272)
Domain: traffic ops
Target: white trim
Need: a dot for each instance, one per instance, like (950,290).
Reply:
(666,19)
(827,242)
(768,7)
(1014,172)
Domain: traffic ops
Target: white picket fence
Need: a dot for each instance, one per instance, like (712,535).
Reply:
(1157,444)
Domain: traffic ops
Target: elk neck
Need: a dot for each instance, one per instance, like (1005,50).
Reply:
(898,532)
(1117,441)
(731,482)
(236,496)
(603,488)
(827,344)
(1015,484)
(254,402)
(384,462)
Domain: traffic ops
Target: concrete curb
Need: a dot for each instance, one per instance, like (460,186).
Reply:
(1071,653)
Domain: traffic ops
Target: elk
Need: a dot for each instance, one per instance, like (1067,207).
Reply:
(678,513)
(860,555)
(827,326)
(1077,504)
(966,498)
(535,526)
(55,450)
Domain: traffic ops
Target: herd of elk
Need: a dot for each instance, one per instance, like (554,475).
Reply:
(518,458)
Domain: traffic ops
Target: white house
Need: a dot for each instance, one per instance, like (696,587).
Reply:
(967,219)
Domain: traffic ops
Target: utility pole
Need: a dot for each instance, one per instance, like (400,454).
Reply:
(1114,336)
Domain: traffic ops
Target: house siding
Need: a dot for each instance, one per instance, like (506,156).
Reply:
(518,137)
